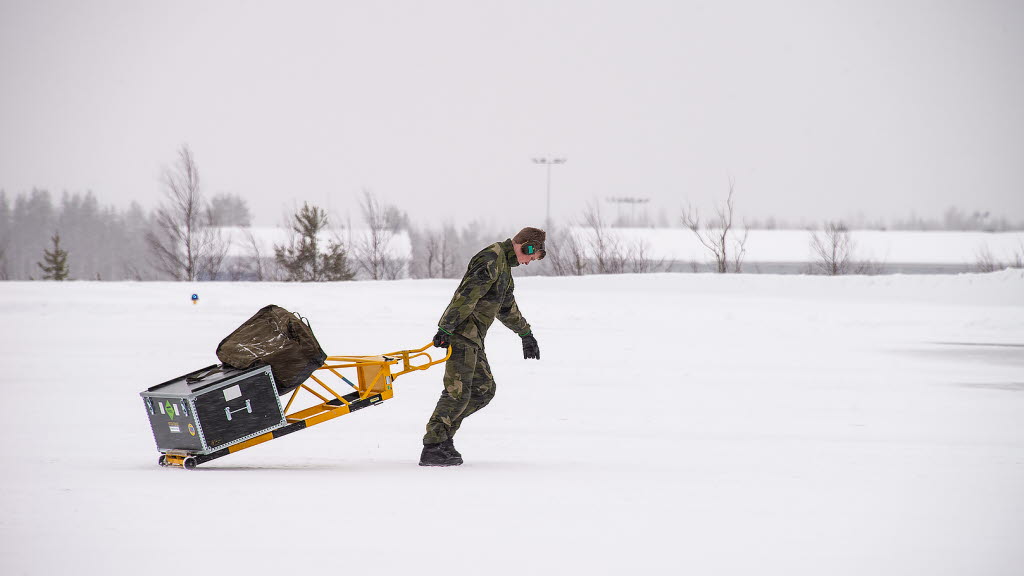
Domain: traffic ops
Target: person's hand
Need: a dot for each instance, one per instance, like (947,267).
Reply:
(441,339)
(530,347)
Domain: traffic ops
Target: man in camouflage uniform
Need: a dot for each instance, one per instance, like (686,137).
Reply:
(485,293)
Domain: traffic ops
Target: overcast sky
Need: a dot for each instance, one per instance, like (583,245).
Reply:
(817,109)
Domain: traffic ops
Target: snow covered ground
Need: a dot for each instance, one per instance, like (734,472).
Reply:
(694,423)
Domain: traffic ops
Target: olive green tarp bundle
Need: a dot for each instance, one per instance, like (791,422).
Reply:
(276,337)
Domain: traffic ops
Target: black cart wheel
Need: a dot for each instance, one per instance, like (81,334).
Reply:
(163,460)
(189,463)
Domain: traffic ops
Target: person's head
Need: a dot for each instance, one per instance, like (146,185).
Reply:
(529,245)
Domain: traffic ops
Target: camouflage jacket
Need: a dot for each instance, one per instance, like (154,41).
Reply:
(485,292)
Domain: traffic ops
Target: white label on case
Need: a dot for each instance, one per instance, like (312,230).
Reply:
(232,393)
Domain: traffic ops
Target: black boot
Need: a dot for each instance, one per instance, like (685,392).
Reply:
(449,446)
(436,455)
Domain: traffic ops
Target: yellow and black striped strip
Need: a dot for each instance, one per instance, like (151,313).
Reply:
(354,404)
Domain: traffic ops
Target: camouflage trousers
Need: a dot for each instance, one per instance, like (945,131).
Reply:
(468,387)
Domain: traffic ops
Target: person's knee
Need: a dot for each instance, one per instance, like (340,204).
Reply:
(485,393)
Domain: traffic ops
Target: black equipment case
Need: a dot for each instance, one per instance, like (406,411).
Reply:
(213,408)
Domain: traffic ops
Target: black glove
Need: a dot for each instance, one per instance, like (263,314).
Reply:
(441,339)
(530,347)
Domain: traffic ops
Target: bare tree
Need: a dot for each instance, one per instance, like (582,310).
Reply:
(605,249)
(595,248)
(1018,258)
(448,245)
(372,251)
(131,271)
(434,252)
(184,247)
(639,260)
(216,250)
(987,262)
(567,253)
(719,238)
(257,258)
(833,249)
(251,266)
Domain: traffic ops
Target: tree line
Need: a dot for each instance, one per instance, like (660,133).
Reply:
(94,242)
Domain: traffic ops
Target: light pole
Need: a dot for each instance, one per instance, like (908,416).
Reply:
(548,161)
(632,201)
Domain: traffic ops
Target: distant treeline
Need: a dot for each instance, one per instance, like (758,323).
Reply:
(108,243)
(103,242)
(953,219)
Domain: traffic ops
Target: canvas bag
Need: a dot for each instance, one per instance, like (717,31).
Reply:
(276,337)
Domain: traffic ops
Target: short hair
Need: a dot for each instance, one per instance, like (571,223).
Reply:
(535,235)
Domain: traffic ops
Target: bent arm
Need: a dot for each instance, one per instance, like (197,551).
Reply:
(510,316)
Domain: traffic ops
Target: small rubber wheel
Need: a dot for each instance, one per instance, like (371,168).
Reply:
(189,463)
(163,460)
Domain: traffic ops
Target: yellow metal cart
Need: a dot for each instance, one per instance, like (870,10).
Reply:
(370,379)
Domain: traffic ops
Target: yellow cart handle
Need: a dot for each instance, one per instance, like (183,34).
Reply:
(408,355)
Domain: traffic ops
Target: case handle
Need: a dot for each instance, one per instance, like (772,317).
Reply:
(228,411)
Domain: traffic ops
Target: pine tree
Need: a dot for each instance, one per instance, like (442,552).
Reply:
(56,267)
(303,260)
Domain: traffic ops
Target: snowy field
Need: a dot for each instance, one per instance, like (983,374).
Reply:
(675,424)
